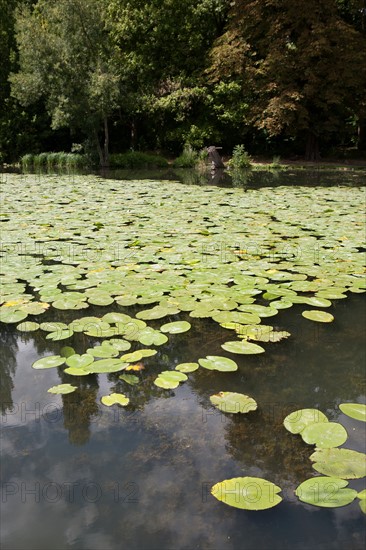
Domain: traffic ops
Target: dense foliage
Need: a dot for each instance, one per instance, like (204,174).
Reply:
(118,74)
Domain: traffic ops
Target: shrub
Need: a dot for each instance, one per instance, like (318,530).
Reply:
(26,162)
(240,159)
(187,159)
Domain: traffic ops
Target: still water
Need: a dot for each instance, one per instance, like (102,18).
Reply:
(77,475)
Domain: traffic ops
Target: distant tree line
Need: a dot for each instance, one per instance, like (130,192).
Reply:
(111,75)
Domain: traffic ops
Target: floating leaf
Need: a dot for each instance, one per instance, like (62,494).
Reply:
(362,494)
(60,335)
(67,351)
(137,355)
(49,362)
(62,389)
(354,410)
(107,365)
(130,379)
(9,316)
(28,326)
(317,315)
(243,347)
(297,421)
(247,493)
(362,504)
(170,379)
(343,463)
(157,312)
(216,362)
(115,399)
(120,344)
(77,361)
(77,371)
(187,367)
(230,402)
(325,434)
(176,328)
(103,351)
(327,492)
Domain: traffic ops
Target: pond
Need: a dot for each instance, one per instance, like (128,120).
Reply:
(94,269)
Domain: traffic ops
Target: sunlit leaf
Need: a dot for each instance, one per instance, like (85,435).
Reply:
(247,493)
(231,402)
(327,492)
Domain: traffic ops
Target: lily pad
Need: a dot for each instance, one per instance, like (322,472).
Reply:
(131,379)
(216,362)
(9,316)
(244,347)
(120,344)
(169,379)
(28,326)
(115,399)
(137,355)
(327,492)
(62,389)
(107,366)
(176,327)
(317,315)
(247,493)
(297,421)
(231,402)
(343,463)
(49,362)
(77,361)
(354,410)
(325,434)
(187,367)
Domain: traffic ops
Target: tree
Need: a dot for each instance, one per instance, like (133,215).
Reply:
(163,47)
(67,58)
(304,71)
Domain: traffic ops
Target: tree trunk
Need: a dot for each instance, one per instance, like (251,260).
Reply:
(361,142)
(106,143)
(312,148)
(99,148)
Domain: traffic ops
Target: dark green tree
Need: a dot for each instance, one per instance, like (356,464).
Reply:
(302,70)
(67,59)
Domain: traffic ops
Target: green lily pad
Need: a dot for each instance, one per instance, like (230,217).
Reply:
(362,505)
(107,366)
(325,434)
(138,355)
(150,337)
(53,327)
(120,344)
(115,399)
(297,421)
(62,389)
(354,410)
(77,371)
(9,316)
(216,362)
(169,379)
(67,351)
(60,335)
(317,315)
(131,379)
(103,351)
(157,312)
(244,347)
(362,494)
(343,463)
(77,361)
(176,327)
(187,367)
(327,492)
(247,493)
(28,326)
(49,362)
(231,402)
